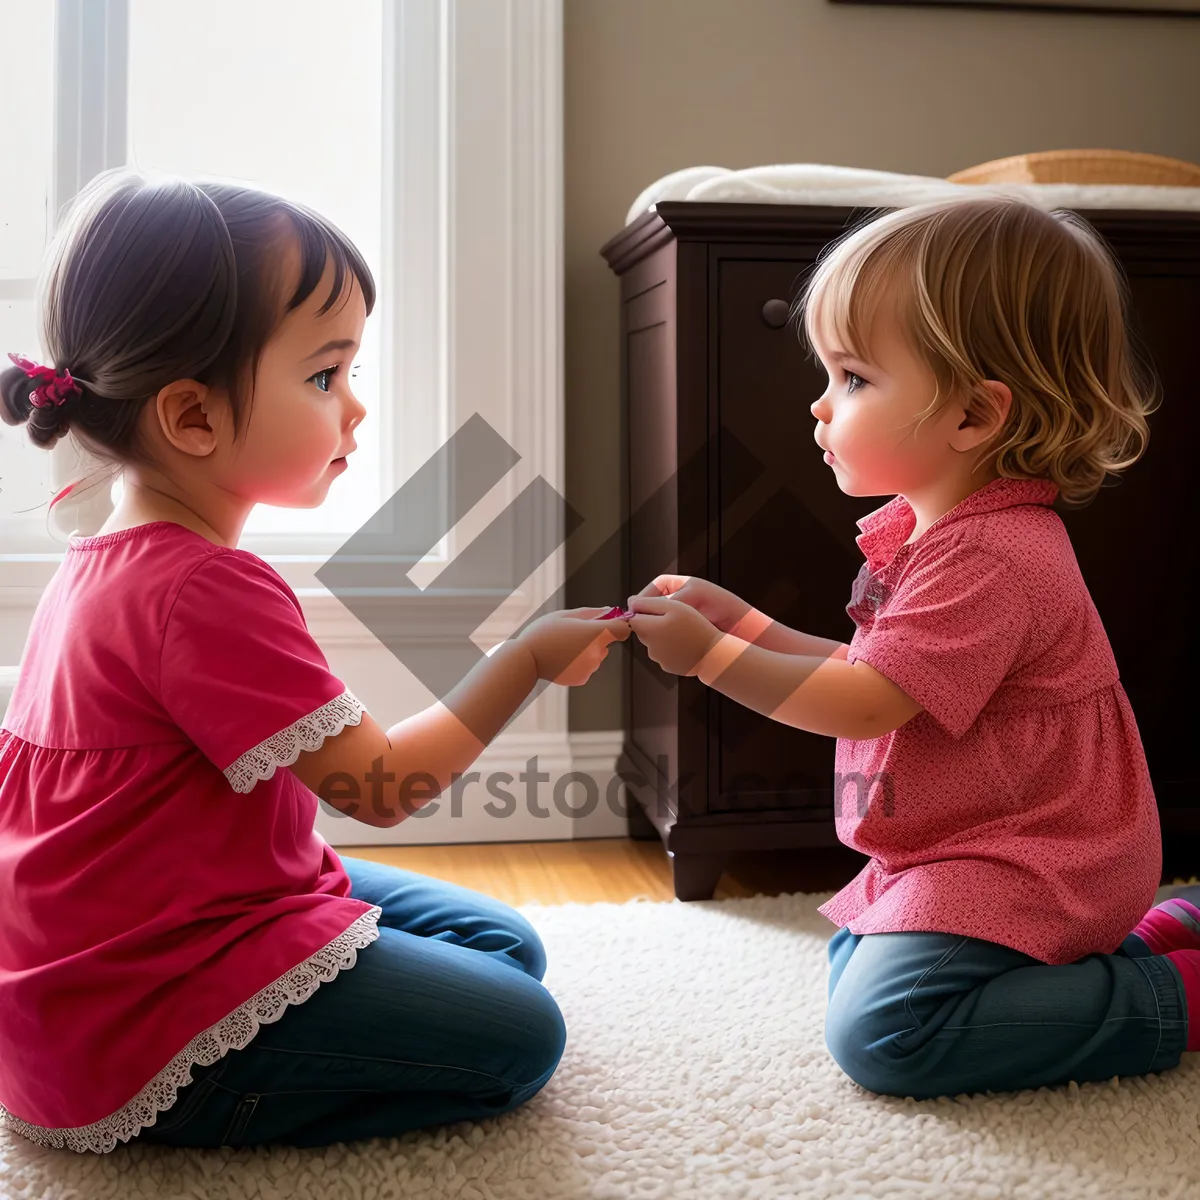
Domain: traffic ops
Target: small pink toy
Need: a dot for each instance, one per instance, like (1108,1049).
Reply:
(615,613)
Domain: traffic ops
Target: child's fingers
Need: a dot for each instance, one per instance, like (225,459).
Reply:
(654,605)
(663,585)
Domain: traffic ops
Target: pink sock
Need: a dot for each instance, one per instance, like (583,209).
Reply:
(1188,964)
(1171,925)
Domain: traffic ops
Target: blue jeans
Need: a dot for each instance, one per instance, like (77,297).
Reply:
(442,1018)
(937,1014)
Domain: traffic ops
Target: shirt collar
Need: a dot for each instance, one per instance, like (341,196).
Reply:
(885,530)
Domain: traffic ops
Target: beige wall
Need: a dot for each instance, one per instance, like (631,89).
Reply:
(656,85)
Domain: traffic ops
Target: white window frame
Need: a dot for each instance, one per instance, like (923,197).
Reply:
(471,301)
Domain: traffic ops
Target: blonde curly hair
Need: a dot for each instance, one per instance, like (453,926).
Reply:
(995,288)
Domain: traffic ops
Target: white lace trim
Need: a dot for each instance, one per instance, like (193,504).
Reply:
(231,1033)
(283,748)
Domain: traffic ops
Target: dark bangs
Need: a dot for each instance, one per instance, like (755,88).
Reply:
(321,243)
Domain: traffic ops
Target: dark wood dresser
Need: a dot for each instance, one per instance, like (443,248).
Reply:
(722,479)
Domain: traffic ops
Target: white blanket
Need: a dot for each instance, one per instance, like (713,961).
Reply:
(819,183)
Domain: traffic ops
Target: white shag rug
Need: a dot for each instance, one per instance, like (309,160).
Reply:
(695,1067)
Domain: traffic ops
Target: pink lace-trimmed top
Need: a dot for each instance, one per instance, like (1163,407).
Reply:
(1017,808)
(163,891)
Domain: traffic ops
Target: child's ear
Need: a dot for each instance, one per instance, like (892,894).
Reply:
(984,415)
(187,412)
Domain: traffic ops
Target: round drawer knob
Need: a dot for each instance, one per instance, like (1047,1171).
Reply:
(775,313)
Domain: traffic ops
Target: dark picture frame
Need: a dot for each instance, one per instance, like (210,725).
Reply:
(1140,8)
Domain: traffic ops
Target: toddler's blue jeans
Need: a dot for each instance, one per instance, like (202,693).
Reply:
(937,1014)
(442,1018)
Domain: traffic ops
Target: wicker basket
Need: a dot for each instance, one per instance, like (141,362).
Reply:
(1084,166)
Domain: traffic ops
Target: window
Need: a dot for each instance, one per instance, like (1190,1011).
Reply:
(294,106)
(26,151)
(429,130)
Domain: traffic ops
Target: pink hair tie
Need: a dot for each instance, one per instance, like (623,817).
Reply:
(63,492)
(55,387)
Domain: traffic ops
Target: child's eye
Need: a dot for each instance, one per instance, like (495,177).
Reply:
(322,378)
(854,382)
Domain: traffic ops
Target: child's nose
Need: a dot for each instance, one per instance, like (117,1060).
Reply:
(820,407)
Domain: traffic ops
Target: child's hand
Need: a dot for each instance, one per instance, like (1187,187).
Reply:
(569,645)
(721,608)
(675,634)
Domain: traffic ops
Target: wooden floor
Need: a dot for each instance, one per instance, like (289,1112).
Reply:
(589,871)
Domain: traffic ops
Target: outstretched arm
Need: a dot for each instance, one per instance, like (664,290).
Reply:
(731,614)
(418,757)
(423,754)
(826,695)
(820,692)
(768,634)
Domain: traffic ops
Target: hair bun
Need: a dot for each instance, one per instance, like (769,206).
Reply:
(45,425)
(16,392)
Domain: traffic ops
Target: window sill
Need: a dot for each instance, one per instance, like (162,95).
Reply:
(435,613)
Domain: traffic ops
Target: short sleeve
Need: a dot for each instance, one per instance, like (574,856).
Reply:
(241,675)
(949,633)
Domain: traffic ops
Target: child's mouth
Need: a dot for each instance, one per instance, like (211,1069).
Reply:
(829,458)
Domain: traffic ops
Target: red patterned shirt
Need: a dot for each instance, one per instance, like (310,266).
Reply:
(1017,807)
